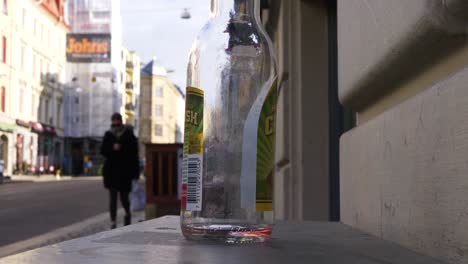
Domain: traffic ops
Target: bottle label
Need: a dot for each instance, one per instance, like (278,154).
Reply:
(192,170)
(258,151)
(266,151)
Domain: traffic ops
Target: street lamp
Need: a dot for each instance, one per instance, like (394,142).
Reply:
(185,14)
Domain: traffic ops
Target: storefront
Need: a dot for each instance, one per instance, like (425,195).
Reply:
(49,147)
(6,139)
(24,147)
(38,129)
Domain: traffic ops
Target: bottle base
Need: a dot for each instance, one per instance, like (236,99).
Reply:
(228,233)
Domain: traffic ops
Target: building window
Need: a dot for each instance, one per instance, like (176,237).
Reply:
(36,28)
(2,100)
(5,7)
(59,113)
(21,98)
(33,105)
(23,18)
(22,57)
(59,45)
(60,75)
(48,38)
(158,130)
(159,110)
(101,15)
(34,65)
(4,49)
(42,32)
(46,109)
(41,66)
(159,91)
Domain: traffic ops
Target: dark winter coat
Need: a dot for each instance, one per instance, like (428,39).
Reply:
(120,167)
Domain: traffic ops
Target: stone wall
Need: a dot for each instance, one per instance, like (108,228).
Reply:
(403,170)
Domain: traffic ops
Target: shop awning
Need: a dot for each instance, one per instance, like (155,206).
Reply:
(49,130)
(23,123)
(37,127)
(7,127)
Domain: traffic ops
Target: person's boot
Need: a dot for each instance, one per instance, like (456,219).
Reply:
(127,220)
(113,225)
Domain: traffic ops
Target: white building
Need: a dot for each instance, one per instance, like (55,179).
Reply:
(162,107)
(32,73)
(130,82)
(93,91)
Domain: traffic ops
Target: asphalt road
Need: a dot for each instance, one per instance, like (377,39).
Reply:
(32,209)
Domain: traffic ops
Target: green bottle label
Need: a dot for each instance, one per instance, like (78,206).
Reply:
(194,121)
(191,197)
(266,151)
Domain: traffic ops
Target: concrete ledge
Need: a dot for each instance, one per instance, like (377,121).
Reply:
(383,44)
(160,241)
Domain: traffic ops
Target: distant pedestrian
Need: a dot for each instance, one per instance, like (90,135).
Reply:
(120,148)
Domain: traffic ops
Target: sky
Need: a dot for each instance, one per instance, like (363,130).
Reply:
(154,28)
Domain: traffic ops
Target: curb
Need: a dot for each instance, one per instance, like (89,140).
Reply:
(90,226)
(52,236)
(47,178)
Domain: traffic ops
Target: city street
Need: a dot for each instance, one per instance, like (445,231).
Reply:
(31,209)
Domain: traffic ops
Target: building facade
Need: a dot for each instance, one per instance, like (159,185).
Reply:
(95,88)
(130,83)
(397,167)
(32,74)
(161,107)
(403,67)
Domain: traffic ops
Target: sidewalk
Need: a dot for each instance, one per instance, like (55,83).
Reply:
(45,178)
(90,226)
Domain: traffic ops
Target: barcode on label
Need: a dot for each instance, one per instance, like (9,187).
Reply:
(194,182)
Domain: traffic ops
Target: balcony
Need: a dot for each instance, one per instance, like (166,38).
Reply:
(130,107)
(49,78)
(129,86)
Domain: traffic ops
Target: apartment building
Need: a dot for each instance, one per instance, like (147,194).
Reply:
(130,83)
(96,87)
(32,73)
(161,108)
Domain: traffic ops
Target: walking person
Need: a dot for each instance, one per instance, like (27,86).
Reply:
(120,149)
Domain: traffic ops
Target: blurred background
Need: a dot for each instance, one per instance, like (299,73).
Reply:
(371,118)
(66,66)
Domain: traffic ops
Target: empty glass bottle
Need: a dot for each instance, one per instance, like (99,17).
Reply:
(230,128)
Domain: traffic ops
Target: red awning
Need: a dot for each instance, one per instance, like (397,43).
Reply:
(23,123)
(37,127)
(49,130)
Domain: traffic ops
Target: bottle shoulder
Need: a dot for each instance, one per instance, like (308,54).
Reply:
(227,52)
(242,35)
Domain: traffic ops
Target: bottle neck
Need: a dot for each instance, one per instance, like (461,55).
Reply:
(236,9)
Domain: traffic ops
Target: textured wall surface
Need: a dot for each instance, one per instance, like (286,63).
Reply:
(404,168)
(404,174)
(382,44)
